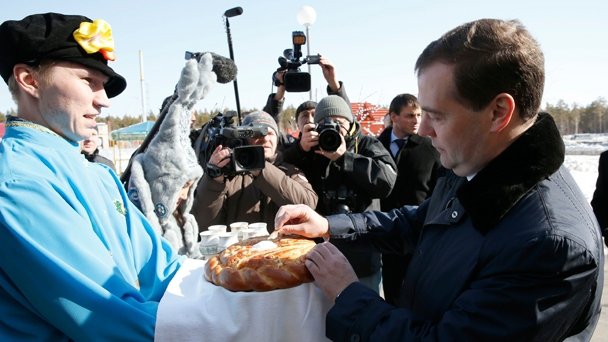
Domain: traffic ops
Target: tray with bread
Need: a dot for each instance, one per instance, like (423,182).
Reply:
(261,264)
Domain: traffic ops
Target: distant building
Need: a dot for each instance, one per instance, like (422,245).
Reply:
(2,129)
(371,117)
(104,135)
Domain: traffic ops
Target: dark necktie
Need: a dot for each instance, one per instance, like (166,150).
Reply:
(400,143)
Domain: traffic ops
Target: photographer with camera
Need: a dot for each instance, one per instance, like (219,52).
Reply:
(350,171)
(274,104)
(252,195)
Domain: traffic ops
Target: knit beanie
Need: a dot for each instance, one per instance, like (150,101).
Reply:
(305,106)
(261,118)
(333,105)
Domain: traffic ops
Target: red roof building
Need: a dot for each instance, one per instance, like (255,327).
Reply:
(1,129)
(371,117)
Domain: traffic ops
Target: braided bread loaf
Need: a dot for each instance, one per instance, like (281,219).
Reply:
(245,266)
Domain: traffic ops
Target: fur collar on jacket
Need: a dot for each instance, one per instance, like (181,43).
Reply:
(535,155)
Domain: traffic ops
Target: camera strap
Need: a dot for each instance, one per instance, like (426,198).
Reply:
(353,128)
(352,135)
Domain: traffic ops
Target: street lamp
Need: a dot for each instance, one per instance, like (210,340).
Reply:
(307,16)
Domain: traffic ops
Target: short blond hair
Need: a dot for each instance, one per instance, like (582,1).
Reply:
(12,87)
(42,71)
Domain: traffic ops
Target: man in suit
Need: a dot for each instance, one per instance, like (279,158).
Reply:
(417,165)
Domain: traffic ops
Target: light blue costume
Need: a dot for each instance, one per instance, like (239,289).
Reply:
(78,261)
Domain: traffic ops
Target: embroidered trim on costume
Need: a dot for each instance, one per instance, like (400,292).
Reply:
(18,122)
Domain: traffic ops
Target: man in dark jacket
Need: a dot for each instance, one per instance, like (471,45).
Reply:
(90,149)
(507,247)
(600,195)
(417,167)
(349,171)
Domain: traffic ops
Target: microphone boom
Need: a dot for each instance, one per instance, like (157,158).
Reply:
(233,12)
(225,69)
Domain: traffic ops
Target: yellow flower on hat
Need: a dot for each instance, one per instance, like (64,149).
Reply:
(96,36)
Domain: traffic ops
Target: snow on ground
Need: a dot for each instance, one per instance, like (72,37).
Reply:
(584,170)
(582,156)
(586,143)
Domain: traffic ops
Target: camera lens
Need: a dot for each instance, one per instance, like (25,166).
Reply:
(329,140)
(248,158)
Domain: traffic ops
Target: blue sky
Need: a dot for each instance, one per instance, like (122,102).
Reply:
(373,44)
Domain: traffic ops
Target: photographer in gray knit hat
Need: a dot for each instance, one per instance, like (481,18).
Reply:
(349,170)
(164,177)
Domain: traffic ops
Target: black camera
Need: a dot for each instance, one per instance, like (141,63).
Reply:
(220,130)
(342,200)
(291,61)
(329,135)
(313,59)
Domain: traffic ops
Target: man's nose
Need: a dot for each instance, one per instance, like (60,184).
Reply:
(424,128)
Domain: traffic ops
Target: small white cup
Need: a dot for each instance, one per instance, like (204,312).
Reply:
(218,228)
(237,226)
(227,239)
(260,228)
(245,234)
(209,243)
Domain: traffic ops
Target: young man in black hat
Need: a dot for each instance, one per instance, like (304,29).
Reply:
(79,261)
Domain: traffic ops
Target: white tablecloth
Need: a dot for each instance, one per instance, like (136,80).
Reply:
(193,309)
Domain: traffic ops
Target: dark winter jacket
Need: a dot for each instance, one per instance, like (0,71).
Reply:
(600,195)
(353,183)
(417,168)
(515,254)
(95,157)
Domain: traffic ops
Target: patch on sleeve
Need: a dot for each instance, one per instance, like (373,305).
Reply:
(120,208)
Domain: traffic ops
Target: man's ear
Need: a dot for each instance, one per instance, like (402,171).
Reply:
(503,108)
(27,78)
(393,116)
